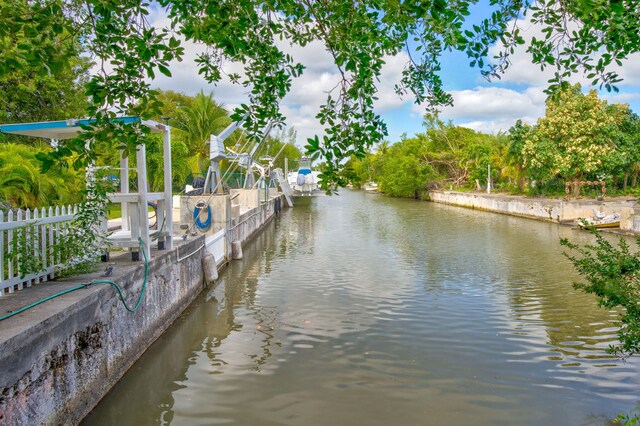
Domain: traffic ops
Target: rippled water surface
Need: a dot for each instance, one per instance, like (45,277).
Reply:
(365,310)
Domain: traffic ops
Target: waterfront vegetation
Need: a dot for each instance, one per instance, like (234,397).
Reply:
(47,36)
(612,275)
(580,138)
(24,183)
(46,57)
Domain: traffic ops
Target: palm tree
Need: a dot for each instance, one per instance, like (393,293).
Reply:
(23,185)
(199,120)
(382,148)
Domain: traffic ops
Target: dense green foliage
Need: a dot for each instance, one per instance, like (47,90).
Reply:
(445,156)
(403,169)
(22,184)
(193,119)
(359,35)
(611,273)
(34,91)
(580,137)
(514,159)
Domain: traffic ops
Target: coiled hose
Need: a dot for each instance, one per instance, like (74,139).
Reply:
(200,205)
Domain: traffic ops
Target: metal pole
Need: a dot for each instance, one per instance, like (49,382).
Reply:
(168,188)
(488,178)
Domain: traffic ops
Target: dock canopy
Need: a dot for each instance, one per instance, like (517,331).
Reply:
(66,129)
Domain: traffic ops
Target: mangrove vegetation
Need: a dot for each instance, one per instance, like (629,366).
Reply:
(581,137)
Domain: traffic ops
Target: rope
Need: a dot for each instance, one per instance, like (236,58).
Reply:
(180,259)
(196,215)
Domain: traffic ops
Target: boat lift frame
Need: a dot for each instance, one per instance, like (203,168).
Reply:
(135,217)
(217,153)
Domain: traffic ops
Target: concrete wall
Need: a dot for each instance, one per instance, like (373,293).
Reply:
(60,358)
(253,220)
(219,212)
(554,210)
(248,198)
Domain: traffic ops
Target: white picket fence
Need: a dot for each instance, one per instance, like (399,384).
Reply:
(41,229)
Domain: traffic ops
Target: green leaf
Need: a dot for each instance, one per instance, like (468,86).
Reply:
(164,70)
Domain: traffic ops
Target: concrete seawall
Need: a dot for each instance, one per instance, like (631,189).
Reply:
(547,209)
(61,357)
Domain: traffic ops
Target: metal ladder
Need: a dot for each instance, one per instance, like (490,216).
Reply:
(284,185)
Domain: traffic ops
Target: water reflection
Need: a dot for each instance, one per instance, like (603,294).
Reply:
(362,309)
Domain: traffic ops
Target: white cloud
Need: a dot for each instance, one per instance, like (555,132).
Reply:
(496,126)
(630,71)
(522,70)
(310,91)
(492,109)
(304,121)
(312,88)
(490,102)
(314,55)
(391,74)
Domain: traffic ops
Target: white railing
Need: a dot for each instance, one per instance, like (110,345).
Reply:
(28,238)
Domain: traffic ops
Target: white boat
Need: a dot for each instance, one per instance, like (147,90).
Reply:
(371,187)
(304,181)
(599,220)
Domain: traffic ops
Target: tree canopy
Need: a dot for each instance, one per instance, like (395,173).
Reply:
(579,137)
(53,90)
(578,36)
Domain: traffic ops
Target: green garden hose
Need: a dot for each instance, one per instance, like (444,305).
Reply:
(98,282)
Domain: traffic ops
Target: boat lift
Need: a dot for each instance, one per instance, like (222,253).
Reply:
(213,181)
(135,216)
(217,153)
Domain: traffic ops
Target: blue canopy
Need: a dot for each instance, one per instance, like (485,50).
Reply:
(63,129)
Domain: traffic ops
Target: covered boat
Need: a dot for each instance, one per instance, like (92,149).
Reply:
(304,181)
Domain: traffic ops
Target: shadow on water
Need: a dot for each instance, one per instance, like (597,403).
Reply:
(361,309)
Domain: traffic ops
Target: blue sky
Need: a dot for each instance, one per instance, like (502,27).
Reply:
(484,106)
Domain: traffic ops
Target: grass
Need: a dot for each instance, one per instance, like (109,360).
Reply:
(114,210)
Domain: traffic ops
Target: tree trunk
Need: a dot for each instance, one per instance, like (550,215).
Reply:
(576,190)
(634,180)
(521,178)
(626,179)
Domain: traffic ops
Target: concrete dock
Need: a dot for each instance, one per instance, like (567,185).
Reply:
(61,357)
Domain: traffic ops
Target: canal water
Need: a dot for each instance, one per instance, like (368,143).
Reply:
(360,309)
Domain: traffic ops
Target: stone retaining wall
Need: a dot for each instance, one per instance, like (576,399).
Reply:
(61,357)
(548,209)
